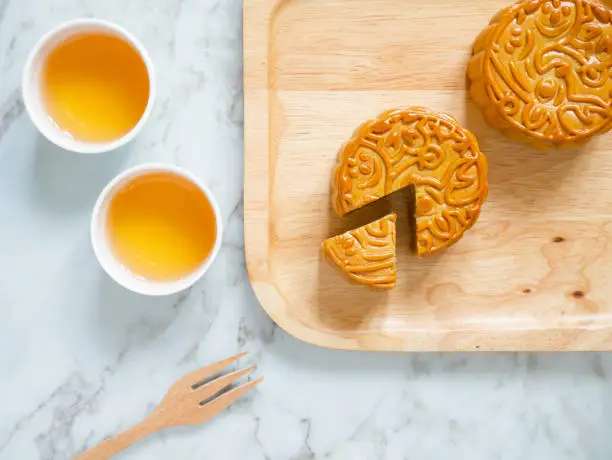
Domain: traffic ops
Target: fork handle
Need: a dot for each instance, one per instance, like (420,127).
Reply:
(112,446)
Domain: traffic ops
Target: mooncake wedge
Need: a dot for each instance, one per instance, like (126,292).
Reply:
(366,255)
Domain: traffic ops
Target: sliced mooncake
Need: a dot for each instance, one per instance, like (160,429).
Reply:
(427,150)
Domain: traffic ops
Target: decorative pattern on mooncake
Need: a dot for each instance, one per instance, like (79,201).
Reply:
(366,254)
(429,150)
(541,71)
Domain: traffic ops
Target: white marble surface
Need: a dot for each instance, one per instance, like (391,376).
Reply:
(81,359)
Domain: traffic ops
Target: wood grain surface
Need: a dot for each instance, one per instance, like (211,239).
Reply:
(535,273)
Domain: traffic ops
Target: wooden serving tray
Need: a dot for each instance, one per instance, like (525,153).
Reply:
(535,273)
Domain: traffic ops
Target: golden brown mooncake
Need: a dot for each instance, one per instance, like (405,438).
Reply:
(367,254)
(428,150)
(541,71)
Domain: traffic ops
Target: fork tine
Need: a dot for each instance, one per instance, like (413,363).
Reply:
(201,374)
(227,399)
(213,387)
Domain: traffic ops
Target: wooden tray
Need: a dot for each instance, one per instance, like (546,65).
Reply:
(535,273)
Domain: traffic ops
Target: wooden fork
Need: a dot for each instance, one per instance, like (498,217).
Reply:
(193,399)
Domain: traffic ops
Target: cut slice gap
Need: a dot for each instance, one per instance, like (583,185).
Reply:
(402,203)
(369,213)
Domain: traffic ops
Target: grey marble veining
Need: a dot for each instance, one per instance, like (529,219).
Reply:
(81,358)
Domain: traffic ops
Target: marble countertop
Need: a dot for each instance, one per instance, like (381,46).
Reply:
(81,358)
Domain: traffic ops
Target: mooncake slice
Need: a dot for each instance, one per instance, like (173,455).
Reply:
(418,147)
(367,254)
(540,71)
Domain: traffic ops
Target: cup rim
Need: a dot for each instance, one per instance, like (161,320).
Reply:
(54,136)
(120,274)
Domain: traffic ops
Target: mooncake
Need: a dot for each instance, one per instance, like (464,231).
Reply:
(367,254)
(430,151)
(541,72)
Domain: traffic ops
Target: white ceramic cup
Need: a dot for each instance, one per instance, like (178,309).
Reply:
(104,252)
(31,84)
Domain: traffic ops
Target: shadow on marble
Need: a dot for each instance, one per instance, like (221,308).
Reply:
(433,366)
(68,182)
(125,318)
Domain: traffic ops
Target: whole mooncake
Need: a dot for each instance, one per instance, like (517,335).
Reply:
(367,254)
(541,71)
(418,147)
